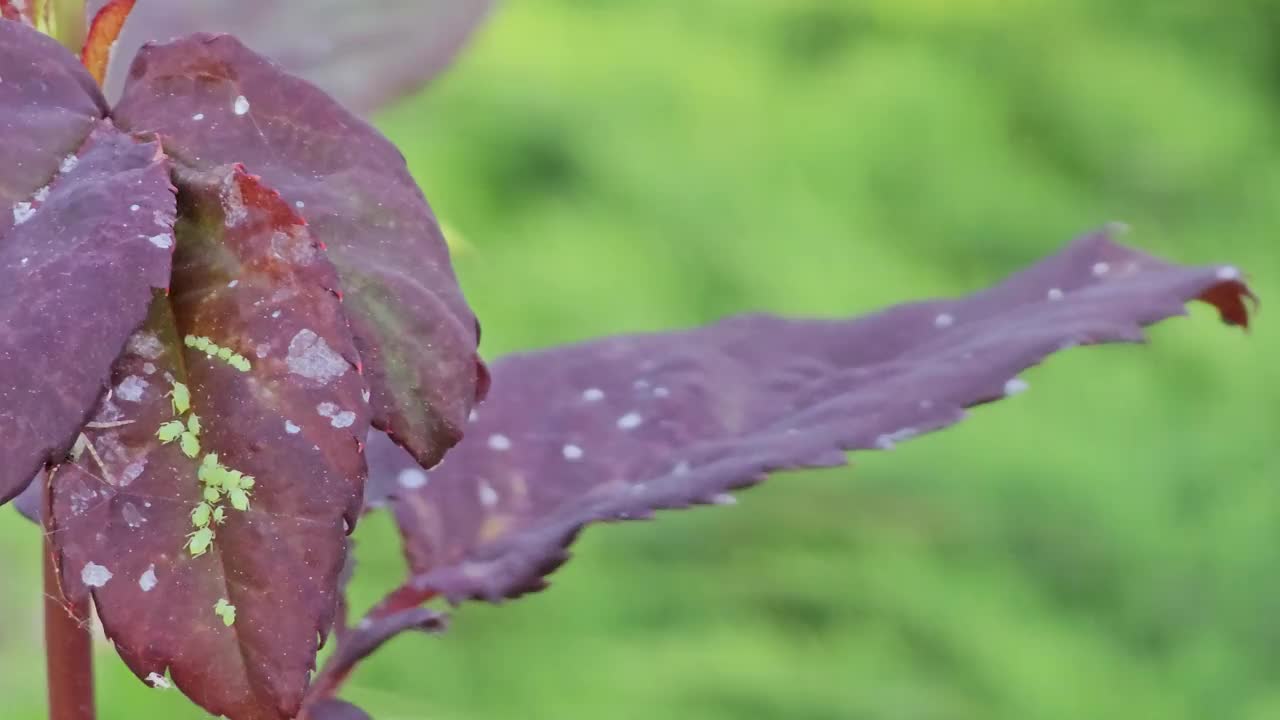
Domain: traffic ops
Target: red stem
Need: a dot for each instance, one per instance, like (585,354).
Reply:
(68,644)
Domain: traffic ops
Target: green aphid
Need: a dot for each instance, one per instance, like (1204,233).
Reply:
(247,482)
(210,460)
(219,515)
(200,541)
(190,340)
(212,350)
(240,363)
(201,515)
(239,499)
(225,353)
(202,343)
(207,474)
(193,424)
(212,494)
(181,398)
(230,479)
(170,431)
(190,444)
(226,611)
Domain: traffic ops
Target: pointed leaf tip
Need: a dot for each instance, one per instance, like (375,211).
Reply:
(104,30)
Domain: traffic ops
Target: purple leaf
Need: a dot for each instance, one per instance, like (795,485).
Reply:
(616,428)
(365,54)
(84,238)
(335,710)
(279,399)
(214,102)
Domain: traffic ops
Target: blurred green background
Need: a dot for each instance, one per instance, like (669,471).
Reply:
(1104,546)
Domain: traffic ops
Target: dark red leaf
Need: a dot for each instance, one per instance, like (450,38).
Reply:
(365,54)
(214,101)
(104,30)
(83,240)
(250,277)
(616,428)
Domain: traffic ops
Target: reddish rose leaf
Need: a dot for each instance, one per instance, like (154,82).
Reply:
(104,31)
(365,54)
(617,428)
(214,102)
(248,277)
(84,239)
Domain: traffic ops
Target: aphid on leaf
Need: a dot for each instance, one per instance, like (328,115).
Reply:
(190,444)
(226,611)
(201,515)
(240,363)
(230,480)
(170,431)
(200,541)
(247,482)
(219,515)
(239,499)
(212,494)
(180,397)
(225,353)
(193,424)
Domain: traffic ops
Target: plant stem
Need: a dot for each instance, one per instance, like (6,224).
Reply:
(68,648)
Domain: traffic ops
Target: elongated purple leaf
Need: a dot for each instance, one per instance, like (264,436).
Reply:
(85,236)
(213,101)
(617,428)
(283,404)
(365,54)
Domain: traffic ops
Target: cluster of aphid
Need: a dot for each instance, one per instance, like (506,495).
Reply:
(218,481)
(213,350)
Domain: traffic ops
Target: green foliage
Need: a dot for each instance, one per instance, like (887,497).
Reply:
(1101,547)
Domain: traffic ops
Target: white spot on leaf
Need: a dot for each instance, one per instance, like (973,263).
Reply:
(69,163)
(412,479)
(488,496)
(1100,269)
(94,575)
(148,580)
(290,428)
(241,105)
(571,452)
(22,212)
(593,394)
(158,681)
(1055,294)
(131,389)
(1015,386)
(146,345)
(630,421)
(499,442)
(943,320)
(311,357)
(164,242)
